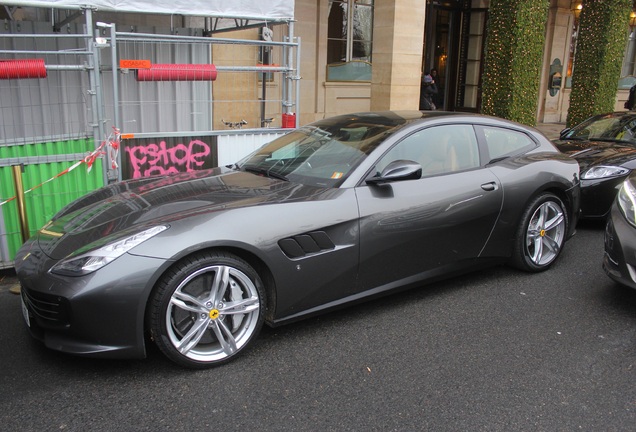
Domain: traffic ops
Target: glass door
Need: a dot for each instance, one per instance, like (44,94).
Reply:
(454,40)
(438,47)
(471,60)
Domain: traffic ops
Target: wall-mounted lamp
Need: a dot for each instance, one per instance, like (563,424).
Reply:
(576,9)
(632,19)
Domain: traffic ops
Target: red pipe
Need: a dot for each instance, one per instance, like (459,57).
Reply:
(177,72)
(16,69)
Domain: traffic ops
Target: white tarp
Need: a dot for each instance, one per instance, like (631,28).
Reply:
(267,10)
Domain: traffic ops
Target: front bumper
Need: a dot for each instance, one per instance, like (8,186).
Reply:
(597,196)
(98,315)
(619,261)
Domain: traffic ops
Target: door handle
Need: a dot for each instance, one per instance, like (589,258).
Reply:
(489,186)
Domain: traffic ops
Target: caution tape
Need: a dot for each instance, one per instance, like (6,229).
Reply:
(110,146)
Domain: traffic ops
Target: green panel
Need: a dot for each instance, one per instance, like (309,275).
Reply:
(44,202)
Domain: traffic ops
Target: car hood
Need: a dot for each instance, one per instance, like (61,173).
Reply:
(589,153)
(131,206)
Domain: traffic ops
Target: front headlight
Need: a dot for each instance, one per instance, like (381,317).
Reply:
(603,171)
(627,201)
(95,259)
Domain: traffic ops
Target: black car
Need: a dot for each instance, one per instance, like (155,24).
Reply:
(605,148)
(339,211)
(619,261)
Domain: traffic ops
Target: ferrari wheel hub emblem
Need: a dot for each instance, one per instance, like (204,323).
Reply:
(542,233)
(214,314)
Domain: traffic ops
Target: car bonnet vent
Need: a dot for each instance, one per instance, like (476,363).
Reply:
(306,244)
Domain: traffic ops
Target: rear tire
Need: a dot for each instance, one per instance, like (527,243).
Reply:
(207,309)
(541,234)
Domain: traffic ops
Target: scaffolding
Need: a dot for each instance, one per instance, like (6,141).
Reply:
(169,100)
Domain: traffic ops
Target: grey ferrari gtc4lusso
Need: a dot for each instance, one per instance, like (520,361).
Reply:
(342,210)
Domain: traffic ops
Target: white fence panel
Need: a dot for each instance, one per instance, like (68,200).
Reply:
(232,148)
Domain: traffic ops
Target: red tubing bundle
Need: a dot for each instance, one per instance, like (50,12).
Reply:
(16,69)
(177,72)
(289,120)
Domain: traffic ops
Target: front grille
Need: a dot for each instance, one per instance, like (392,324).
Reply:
(49,310)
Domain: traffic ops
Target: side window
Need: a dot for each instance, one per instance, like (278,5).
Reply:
(410,148)
(439,149)
(505,142)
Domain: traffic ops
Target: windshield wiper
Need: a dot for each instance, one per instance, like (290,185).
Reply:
(574,138)
(264,172)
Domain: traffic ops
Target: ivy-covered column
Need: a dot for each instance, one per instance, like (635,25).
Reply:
(603,28)
(514,55)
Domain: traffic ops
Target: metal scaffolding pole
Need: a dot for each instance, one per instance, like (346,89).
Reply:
(95,87)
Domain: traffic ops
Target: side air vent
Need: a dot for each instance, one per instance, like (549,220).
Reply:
(306,244)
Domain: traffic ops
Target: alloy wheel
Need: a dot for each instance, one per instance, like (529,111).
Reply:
(213,313)
(545,234)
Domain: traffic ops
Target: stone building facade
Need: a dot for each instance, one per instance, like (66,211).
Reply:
(412,36)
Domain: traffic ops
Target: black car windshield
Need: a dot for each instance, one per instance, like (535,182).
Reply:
(321,154)
(610,127)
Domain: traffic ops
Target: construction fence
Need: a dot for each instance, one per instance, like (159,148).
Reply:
(80,109)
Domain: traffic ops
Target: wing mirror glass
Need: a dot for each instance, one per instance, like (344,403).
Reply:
(564,132)
(398,170)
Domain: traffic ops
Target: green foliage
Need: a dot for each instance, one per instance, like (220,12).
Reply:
(514,55)
(597,66)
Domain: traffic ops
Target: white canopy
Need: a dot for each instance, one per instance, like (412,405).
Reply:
(266,10)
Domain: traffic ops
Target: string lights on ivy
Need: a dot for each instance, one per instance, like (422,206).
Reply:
(514,55)
(603,27)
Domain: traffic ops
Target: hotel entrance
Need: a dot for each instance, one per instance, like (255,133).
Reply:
(454,38)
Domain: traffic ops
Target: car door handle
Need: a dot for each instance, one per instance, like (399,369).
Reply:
(489,186)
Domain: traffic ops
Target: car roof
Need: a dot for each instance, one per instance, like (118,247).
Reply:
(397,119)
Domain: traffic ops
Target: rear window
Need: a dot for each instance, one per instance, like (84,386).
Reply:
(502,142)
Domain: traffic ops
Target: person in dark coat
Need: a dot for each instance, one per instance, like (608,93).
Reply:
(427,90)
(631,100)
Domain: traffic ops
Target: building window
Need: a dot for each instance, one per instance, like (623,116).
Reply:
(349,40)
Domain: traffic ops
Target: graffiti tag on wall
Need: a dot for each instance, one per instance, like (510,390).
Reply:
(150,156)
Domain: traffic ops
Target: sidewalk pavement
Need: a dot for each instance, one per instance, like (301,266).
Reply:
(8,281)
(551,130)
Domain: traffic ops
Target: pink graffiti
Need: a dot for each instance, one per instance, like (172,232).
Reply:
(153,159)
(169,180)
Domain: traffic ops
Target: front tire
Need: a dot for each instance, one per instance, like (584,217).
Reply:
(207,309)
(541,234)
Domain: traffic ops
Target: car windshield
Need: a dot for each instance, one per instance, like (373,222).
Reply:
(321,154)
(605,128)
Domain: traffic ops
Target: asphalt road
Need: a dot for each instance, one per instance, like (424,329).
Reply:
(497,350)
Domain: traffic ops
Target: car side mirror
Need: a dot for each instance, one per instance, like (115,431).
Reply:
(564,132)
(398,170)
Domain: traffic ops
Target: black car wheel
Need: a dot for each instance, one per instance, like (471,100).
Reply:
(541,234)
(207,309)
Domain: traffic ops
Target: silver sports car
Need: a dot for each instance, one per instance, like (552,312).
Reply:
(339,211)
